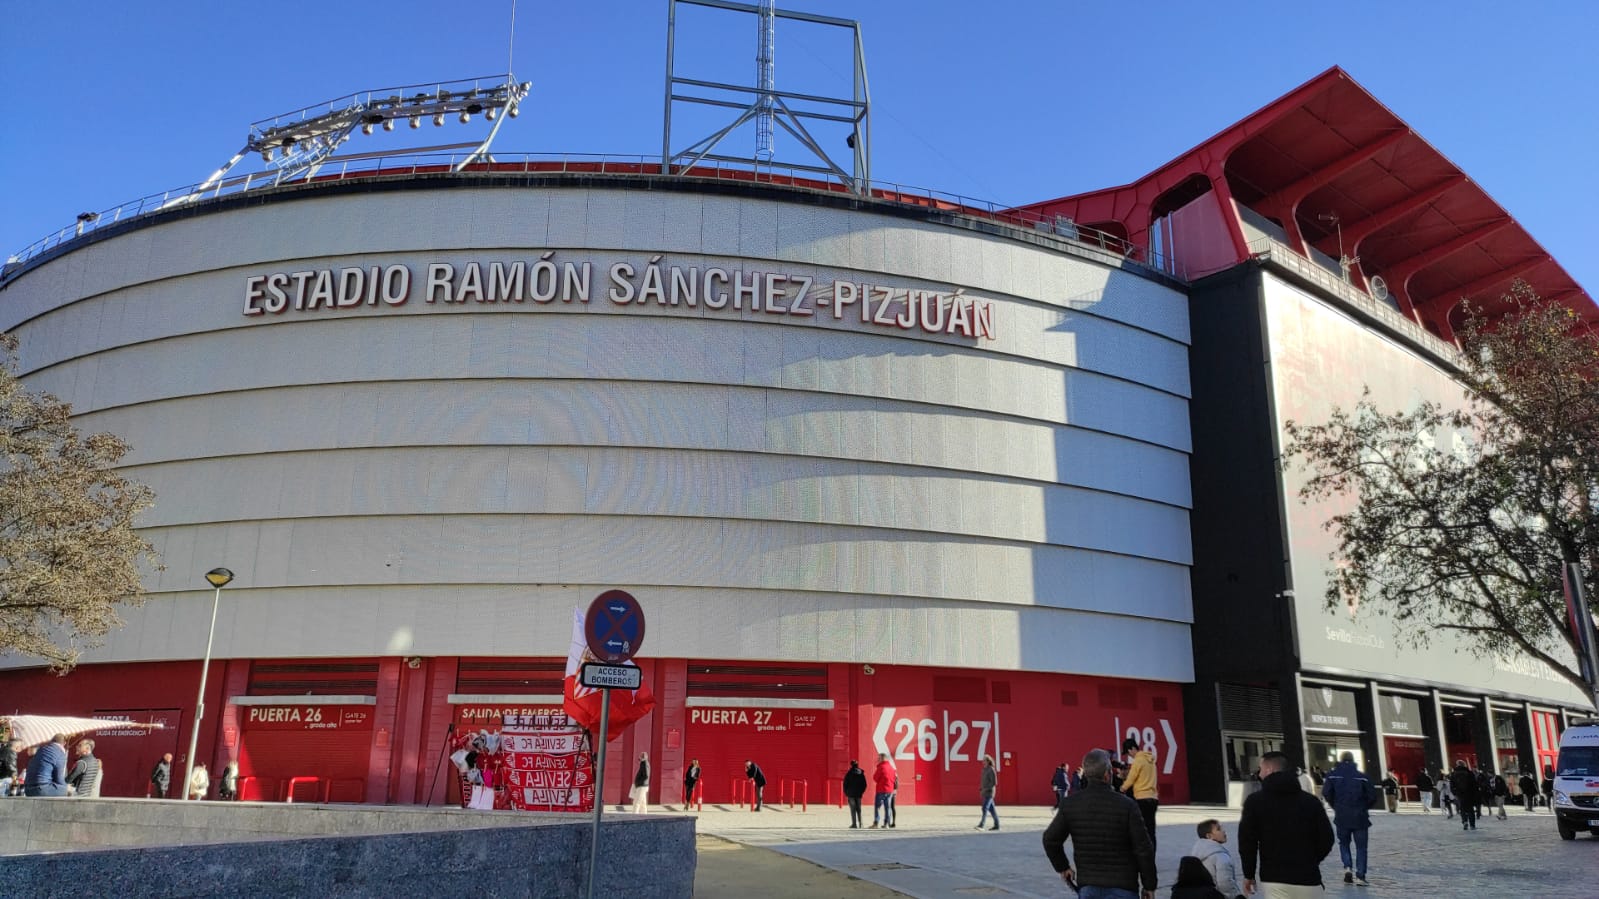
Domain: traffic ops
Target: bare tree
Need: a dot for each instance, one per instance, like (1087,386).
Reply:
(68,549)
(1463,517)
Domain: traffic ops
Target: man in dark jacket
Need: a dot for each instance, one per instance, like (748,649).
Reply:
(1424,789)
(1529,791)
(161,777)
(691,779)
(1485,790)
(1350,794)
(1107,832)
(753,772)
(47,770)
(86,773)
(854,789)
(1285,831)
(1464,785)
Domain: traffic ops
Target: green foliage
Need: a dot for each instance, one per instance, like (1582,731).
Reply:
(1463,516)
(68,549)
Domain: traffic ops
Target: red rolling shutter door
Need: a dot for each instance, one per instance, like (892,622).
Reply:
(274,756)
(332,743)
(786,743)
(722,738)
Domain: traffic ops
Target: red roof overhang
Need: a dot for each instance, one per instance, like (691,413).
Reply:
(1328,150)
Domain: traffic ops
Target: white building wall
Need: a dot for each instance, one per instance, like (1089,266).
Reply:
(452,479)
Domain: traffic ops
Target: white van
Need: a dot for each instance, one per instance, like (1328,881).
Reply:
(1577,780)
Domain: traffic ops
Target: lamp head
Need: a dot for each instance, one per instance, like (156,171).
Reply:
(218,577)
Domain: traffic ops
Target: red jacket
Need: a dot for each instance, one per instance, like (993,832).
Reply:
(883,777)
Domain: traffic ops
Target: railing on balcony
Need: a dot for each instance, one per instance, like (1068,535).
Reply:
(1267,249)
(411,165)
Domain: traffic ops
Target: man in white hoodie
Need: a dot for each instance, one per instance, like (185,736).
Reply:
(1211,850)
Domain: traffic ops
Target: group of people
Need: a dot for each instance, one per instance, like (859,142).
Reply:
(885,781)
(48,774)
(199,781)
(1282,837)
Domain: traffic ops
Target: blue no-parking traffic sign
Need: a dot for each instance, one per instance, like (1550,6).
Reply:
(614,626)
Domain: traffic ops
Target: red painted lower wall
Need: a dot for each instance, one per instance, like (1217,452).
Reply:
(935,723)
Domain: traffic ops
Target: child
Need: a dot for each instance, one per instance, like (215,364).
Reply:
(1211,851)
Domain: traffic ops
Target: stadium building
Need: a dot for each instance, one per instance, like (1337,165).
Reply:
(888,471)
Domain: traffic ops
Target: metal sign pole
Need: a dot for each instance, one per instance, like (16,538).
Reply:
(599,787)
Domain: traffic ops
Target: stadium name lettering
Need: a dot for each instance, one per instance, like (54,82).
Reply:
(545,281)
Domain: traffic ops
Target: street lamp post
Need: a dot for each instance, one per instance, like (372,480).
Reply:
(217,578)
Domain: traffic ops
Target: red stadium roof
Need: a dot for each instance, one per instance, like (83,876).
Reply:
(1329,151)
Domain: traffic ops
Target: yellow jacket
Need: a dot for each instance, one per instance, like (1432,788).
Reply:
(1140,779)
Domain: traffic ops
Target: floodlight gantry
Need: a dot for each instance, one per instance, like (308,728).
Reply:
(297,143)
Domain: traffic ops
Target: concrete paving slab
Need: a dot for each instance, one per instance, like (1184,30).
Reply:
(934,853)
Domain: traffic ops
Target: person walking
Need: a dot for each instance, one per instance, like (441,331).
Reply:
(1425,791)
(1446,794)
(1485,790)
(1115,856)
(691,779)
(1529,791)
(883,778)
(1500,791)
(1283,835)
(641,785)
(228,787)
(986,785)
(8,765)
(199,783)
(854,789)
(1140,784)
(1463,784)
(754,773)
(1211,851)
(85,776)
(47,770)
(1350,794)
(1061,783)
(1390,793)
(161,777)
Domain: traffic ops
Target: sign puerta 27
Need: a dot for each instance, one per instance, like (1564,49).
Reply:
(687,289)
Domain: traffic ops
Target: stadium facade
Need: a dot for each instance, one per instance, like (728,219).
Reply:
(887,474)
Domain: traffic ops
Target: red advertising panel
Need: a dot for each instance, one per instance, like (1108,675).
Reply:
(307,717)
(128,755)
(937,724)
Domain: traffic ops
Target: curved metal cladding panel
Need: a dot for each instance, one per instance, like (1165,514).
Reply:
(438,474)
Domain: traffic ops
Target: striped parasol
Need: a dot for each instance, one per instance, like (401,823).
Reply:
(34,730)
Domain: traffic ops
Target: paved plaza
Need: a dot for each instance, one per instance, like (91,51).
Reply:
(935,853)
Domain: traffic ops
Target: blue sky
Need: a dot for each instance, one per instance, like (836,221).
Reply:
(1005,101)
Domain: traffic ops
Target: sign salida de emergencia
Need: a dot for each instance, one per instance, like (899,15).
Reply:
(547,280)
